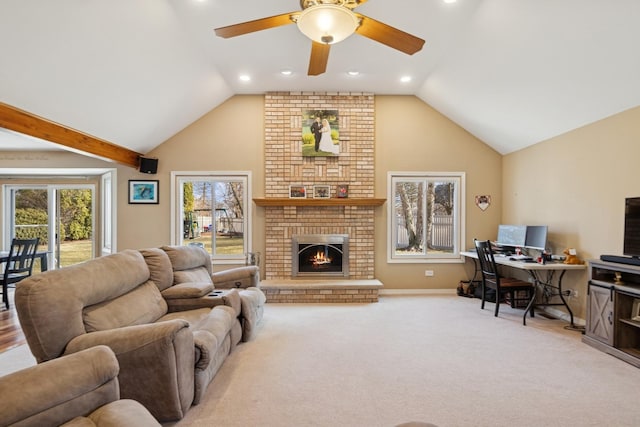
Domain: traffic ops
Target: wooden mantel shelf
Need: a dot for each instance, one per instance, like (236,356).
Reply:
(334,201)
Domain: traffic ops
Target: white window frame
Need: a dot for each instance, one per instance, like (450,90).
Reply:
(52,212)
(458,214)
(177,217)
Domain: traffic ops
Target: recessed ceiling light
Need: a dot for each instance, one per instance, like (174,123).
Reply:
(286,72)
(450,1)
(405,79)
(245,77)
(353,73)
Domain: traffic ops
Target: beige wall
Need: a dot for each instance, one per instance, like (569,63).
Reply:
(412,136)
(228,138)
(576,184)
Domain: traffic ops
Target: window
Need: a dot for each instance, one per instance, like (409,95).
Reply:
(426,216)
(61,216)
(212,210)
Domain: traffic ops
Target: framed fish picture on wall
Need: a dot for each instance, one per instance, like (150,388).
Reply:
(320,133)
(143,192)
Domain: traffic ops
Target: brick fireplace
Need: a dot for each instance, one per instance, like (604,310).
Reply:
(285,166)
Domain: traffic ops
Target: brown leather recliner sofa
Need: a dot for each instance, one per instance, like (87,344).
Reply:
(79,389)
(167,356)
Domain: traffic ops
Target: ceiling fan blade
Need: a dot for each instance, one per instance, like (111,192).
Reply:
(386,34)
(319,58)
(256,25)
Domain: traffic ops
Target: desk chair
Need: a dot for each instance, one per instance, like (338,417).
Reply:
(502,285)
(19,264)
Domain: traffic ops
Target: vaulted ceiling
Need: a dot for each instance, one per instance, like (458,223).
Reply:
(135,72)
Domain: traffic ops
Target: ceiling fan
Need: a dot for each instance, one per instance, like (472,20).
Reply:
(327,22)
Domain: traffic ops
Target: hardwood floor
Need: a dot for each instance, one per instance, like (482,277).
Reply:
(10,332)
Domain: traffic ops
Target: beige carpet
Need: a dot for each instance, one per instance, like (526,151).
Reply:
(437,359)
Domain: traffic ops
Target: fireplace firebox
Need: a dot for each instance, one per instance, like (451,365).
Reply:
(318,255)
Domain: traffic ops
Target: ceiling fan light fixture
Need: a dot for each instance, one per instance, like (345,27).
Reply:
(327,23)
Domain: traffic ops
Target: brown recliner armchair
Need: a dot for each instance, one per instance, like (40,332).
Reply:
(80,389)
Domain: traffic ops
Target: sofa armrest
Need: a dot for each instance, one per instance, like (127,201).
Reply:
(187,290)
(58,390)
(239,277)
(228,297)
(130,338)
(253,301)
(156,364)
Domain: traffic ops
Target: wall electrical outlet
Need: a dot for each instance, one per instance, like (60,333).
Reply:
(428,273)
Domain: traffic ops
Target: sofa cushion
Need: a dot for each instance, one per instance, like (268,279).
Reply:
(188,257)
(160,268)
(142,305)
(188,290)
(79,422)
(198,274)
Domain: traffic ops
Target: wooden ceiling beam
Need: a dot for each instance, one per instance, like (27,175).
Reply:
(24,122)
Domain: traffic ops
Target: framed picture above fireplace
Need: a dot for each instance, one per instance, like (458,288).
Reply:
(320,133)
(297,192)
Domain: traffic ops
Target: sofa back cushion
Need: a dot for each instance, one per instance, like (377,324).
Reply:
(160,268)
(141,305)
(187,258)
(51,305)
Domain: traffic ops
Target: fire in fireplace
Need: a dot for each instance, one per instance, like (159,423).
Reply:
(316,255)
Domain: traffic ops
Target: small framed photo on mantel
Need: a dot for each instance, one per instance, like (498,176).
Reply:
(321,192)
(297,192)
(342,191)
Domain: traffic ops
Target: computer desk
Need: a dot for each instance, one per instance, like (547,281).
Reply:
(547,277)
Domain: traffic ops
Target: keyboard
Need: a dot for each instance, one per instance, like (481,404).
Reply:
(520,258)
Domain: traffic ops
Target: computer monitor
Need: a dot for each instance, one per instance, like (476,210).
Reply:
(536,237)
(511,235)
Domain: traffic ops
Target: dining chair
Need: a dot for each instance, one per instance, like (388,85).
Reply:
(491,279)
(18,264)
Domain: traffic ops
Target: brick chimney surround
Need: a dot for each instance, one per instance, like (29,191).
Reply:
(285,166)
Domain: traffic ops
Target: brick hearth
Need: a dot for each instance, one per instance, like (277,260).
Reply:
(321,291)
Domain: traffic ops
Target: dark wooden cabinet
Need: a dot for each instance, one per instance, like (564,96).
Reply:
(613,318)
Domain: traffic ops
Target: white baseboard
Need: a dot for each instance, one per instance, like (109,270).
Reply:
(559,314)
(383,292)
(553,312)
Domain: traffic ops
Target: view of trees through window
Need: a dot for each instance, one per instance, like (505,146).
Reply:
(214,215)
(424,216)
(74,225)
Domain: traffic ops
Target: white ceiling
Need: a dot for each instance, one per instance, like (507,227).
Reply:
(135,72)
